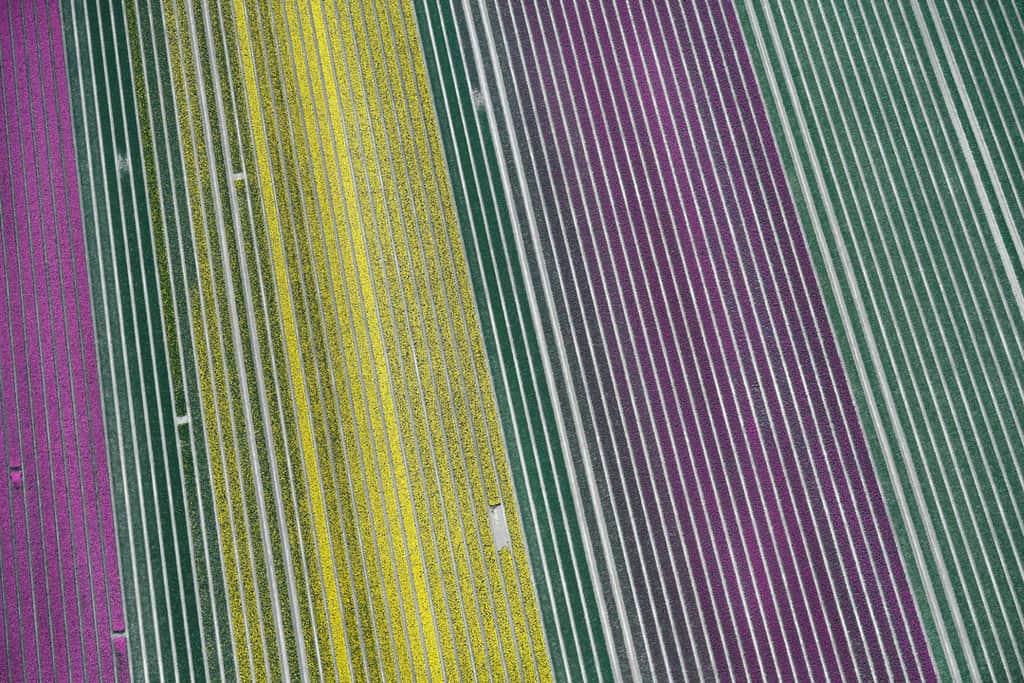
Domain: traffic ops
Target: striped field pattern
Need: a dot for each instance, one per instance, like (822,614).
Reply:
(61,598)
(612,340)
(913,165)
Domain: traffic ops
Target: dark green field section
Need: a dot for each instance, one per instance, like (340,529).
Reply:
(516,339)
(900,128)
(138,236)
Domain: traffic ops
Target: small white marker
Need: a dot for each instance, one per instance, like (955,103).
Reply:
(499,526)
(182,419)
(123,163)
(238,176)
(479,98)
